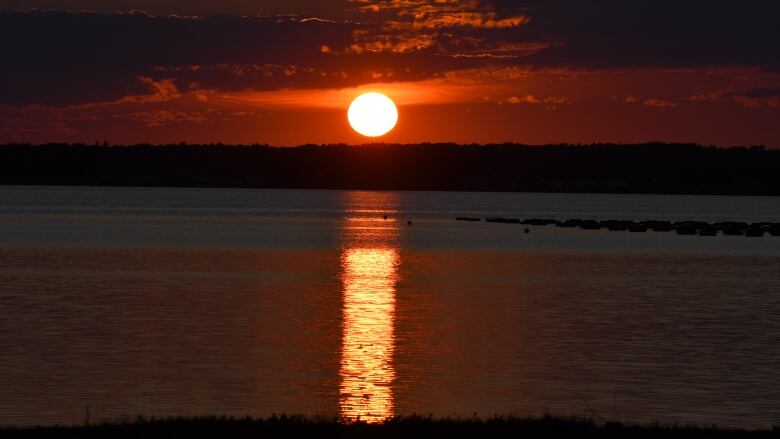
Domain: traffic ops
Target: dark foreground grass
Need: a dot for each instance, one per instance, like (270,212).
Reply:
(406,428)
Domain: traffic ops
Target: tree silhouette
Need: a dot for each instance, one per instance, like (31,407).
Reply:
(599,168)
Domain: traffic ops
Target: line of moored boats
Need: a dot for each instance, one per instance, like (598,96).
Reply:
(701,228)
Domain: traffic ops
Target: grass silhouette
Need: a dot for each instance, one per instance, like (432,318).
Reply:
(405,427)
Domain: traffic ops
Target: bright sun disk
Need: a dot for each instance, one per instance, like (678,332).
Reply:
(372,114)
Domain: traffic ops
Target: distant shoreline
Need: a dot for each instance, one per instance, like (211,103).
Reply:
(649,194)
(408,428)
(651,168)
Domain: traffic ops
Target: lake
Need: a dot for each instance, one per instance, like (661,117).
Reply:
(118,302)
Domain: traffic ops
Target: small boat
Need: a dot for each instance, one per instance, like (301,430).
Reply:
(590,225)
(502,220)
(708,231)
(658,226)
(617,225)
(570,223)
(733,231)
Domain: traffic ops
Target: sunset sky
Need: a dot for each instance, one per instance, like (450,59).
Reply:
(284,72)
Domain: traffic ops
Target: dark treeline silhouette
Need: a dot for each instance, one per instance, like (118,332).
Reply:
(599,168)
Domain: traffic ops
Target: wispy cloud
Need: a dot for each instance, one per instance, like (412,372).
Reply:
(660,103)
(750,98)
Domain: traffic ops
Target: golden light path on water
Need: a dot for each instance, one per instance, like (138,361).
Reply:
(369,264)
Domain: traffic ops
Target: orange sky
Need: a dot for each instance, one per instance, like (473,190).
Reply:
(459,70)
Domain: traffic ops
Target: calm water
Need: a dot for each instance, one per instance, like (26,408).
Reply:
(161,302)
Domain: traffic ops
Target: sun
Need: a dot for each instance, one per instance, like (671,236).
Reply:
(372,114)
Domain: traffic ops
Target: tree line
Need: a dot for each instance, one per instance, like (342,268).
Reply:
(598,168)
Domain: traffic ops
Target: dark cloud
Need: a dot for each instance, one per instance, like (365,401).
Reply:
(200,8)
(651,33)
(63,58)
(60,58)
(599,34)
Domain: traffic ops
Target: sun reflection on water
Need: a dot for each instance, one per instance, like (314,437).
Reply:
(369,264)
(367,349)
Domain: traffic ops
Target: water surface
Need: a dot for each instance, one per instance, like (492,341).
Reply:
(117,302)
